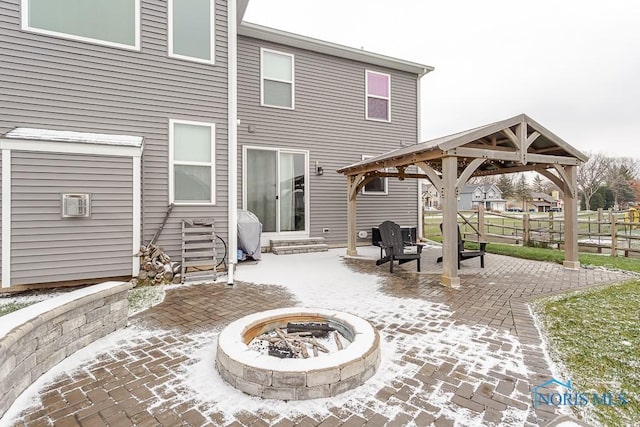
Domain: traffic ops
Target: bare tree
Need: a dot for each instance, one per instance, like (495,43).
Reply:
(592,175)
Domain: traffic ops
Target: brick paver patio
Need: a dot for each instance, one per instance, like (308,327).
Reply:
(465,356)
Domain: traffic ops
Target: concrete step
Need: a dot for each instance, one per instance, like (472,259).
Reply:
(299,249)
(297,242)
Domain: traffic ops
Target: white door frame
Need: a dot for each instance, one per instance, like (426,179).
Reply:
(267,236)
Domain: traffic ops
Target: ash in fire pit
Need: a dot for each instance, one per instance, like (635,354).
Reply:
(300,340)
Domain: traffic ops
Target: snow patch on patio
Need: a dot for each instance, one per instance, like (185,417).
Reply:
(418,338)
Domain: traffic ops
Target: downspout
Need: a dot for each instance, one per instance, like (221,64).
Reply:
(419,137)
(232,131)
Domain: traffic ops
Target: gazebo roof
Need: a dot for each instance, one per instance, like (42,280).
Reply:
(499,143)
(517,144)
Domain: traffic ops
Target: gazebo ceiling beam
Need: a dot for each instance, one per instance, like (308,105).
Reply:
(484,154)
(512,169)
(547,150)
(407,160)
(554,160)
(398,175)
(492,148)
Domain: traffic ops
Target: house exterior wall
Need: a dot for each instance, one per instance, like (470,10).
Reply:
(329,122)
(56,83)
(465,201)
(0,217)
(47,248)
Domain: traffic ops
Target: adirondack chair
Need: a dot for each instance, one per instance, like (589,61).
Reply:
(465,254)
(394,247)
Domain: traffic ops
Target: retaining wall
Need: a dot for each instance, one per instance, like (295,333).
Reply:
(36,338)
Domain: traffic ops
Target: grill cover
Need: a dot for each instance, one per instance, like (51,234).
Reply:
(249,231)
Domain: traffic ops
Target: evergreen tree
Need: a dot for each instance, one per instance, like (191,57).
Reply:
(505,184)
(597,201)
(539,186)
(522,191)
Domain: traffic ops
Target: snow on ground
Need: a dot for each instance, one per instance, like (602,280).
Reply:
(323,280)
(28,297)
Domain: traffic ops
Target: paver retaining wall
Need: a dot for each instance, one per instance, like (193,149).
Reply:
(36,338)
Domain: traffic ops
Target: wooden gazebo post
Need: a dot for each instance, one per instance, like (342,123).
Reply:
(352,194)
(450,223)
(571,260)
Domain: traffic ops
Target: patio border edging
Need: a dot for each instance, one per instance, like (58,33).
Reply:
(38,337)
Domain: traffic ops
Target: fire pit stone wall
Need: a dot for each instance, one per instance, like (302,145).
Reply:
(297,379)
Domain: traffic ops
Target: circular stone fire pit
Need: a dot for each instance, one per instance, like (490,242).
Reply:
(259,374)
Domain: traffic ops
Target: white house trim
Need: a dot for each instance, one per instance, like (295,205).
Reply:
(303,42)
(70,148)
(212,40)
(211,163)
(136,46)
(367,95)
(6,218)
(137,213)
(91,144)
(292,82)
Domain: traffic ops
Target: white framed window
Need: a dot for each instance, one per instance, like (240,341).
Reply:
(277,82)
(112,23)
(378,186)
(378,96)
(191,25)
(191,162)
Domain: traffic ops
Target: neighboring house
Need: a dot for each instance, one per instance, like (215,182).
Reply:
(542,202)
(115,111)
(431,199)
(489,196)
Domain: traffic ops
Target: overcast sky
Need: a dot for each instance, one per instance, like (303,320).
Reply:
(574,66)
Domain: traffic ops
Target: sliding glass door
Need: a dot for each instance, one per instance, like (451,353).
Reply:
(276,188)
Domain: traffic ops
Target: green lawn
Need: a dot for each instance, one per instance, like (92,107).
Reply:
(595,336)
(556,256)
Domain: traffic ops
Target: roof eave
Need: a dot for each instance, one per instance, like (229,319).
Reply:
(256,31)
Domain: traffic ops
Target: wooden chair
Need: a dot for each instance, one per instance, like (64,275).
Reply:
(394,247)
(465,254)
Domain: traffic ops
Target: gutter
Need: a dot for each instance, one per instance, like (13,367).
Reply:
(232,142)
(261,32)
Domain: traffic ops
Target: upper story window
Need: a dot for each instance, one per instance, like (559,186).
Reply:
(277,79)
(378,102)
(111,23)
(191,162)
(191,30)
(376,185)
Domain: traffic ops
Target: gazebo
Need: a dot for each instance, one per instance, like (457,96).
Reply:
(518,144)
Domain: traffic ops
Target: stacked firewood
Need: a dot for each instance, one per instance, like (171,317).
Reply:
(156,267)
(299,340)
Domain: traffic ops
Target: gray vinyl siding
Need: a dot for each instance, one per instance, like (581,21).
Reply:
(329,121)
(47,248)
(0,218)
(55,83)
